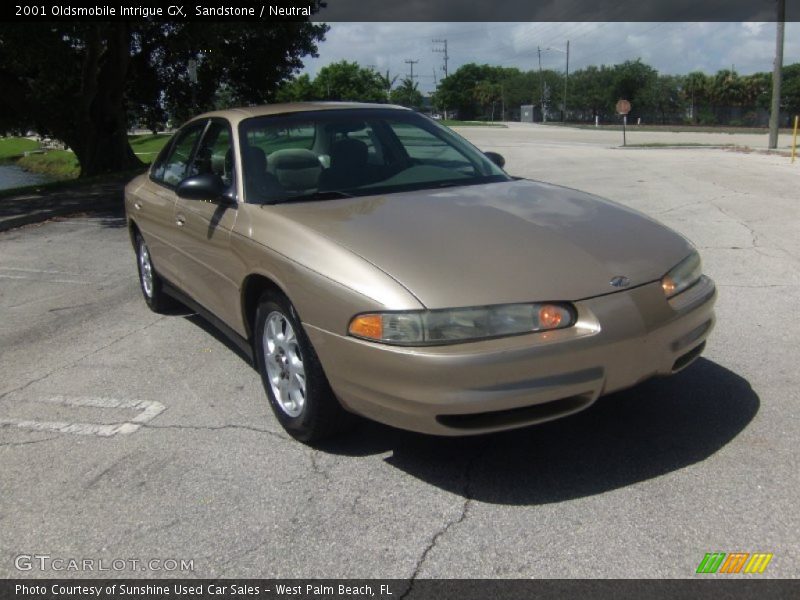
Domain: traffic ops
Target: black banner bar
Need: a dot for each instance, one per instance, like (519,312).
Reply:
(403,10)
(731,587)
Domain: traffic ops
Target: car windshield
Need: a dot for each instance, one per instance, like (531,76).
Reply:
(328,154)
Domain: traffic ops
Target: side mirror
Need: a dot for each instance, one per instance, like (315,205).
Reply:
(206,186)
(496,158)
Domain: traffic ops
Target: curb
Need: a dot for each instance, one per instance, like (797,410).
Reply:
(43,215)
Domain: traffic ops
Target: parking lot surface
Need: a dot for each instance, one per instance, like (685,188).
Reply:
(642,484)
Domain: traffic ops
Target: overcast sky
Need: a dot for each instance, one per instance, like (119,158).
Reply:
(672,48)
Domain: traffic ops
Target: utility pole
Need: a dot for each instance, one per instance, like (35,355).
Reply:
(442,49)
(775,109)
(411,63)
(566,79)
(435,81)
(566,76)
(541,85)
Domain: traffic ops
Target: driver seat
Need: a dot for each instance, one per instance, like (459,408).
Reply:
(348,166)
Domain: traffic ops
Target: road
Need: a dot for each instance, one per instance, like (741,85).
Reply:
(641,485)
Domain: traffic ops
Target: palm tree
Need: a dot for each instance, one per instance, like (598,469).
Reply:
(487,93)
(696,90)
(387,82)
(407,94)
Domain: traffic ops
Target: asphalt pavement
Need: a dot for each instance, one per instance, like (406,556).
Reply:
(642,484)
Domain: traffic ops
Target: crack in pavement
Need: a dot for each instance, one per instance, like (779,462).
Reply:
(247,552)
(5,444)
(274,434)
(755,241)
(676,208)
(76,361)
(318,469)
(735,219)
(96,479)
(467,494)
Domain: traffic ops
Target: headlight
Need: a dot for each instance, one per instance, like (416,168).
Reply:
(460,324)
(683,276)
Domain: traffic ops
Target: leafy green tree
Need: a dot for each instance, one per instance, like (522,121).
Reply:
(77,81)
(299,89)
(407,94)
(488,94)
(790,89)
(634,81)
(518,88)
(591,92)
(667,97)
(725,88)
(345,80)
(457,91)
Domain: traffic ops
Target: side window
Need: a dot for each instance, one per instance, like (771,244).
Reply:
(215,154)
(157,171)
(173,169)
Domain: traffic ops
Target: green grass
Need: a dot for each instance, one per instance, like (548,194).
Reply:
(669,128)
(60,164)
(677,145)
(452,123)
(12,147)
(147,147)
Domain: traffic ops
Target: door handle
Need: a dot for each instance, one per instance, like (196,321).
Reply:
(137,205)
(180,220)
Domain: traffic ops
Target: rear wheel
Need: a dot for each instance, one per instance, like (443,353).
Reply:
(296,386)
(149,281)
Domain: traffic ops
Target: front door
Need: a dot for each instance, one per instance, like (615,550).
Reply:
(203,228)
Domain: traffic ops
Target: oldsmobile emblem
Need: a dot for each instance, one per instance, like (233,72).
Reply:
(620,281)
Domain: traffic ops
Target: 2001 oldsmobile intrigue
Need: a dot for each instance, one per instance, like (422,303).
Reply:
(371,261)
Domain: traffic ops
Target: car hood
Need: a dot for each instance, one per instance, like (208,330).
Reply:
(497,243)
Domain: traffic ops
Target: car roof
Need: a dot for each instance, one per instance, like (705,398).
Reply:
(235,115)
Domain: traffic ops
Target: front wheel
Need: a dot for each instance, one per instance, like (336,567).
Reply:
(298,391)
(149,281)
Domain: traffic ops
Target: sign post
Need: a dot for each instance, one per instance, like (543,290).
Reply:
(623,108)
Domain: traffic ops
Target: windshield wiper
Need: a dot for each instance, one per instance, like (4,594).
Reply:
(449,184)
(464,182)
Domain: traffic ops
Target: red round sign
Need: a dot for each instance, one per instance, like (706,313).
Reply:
(623,107)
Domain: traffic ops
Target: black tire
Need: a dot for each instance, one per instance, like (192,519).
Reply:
(152,287)
(320,416)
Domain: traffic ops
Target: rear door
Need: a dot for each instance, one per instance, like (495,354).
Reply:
(203,227)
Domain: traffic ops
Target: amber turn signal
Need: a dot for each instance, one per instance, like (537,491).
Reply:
(550,316)
(367,326)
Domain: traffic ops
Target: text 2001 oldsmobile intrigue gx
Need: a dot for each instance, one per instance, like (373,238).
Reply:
(371,261)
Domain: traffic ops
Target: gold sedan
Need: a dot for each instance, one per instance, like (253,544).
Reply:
(372,262)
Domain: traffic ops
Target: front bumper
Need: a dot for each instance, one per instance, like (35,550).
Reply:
(619,340)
